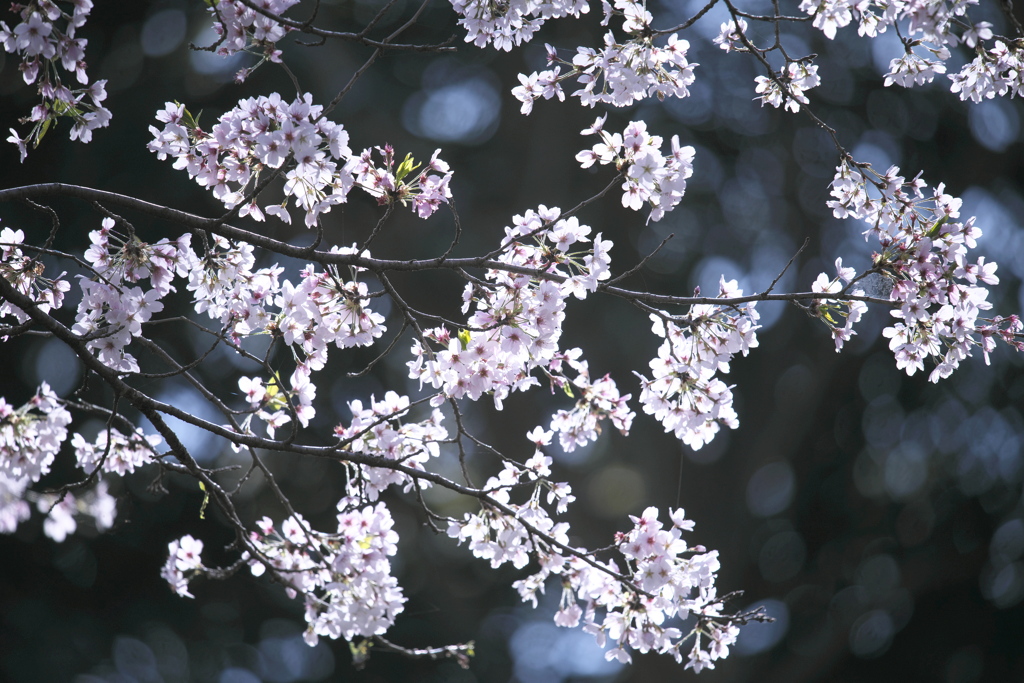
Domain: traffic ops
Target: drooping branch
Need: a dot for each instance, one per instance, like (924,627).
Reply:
(153,411)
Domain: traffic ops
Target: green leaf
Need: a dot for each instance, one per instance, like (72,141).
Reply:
(206,500)
(188,120)
(41,131)
(406,167)
(938,224)
(360,652)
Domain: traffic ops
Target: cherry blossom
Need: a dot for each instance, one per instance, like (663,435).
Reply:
(45,39)
(651,178)
(64,511)
(665,579)
(111,313)
(518,321)
(115,452)
(31,435)
(923,251)
(828,311)
(729,37)
(684,393)
(796,78)
(379,430)
(261,133)
(30,439)
(994,70)
(344,577)
(296,141)
(241,28)
(619,74)
(26,274)
(183,563)
(511,24)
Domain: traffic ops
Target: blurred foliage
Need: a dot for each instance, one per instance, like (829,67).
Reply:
(878,517)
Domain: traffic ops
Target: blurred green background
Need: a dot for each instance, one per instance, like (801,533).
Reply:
(878,517)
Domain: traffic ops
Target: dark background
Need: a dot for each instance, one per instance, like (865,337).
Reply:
(877,516)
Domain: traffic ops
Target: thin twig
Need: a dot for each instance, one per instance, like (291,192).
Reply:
(807,240)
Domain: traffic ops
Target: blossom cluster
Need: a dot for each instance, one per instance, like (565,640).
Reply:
(518,319)
(623,73)
(931,26)
(684,393)
(296,140)
(378,431)
(505,24)
(114,451)
(912,69)
(501,536)
(796,77)
(997,71)
(14,509)
(261,133)
(111,312)
(599,400)
(26,275)
(267,402)
(46,51)
(344,577)
(932,22)
(851,309)
(325,308)
(619,73)
(227,288)
(183,564)
(924,250)
(427,190)
(664,579)
(30,437)
(322,309)
(651,177)
(63,511)
(241,28)
(730,35)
